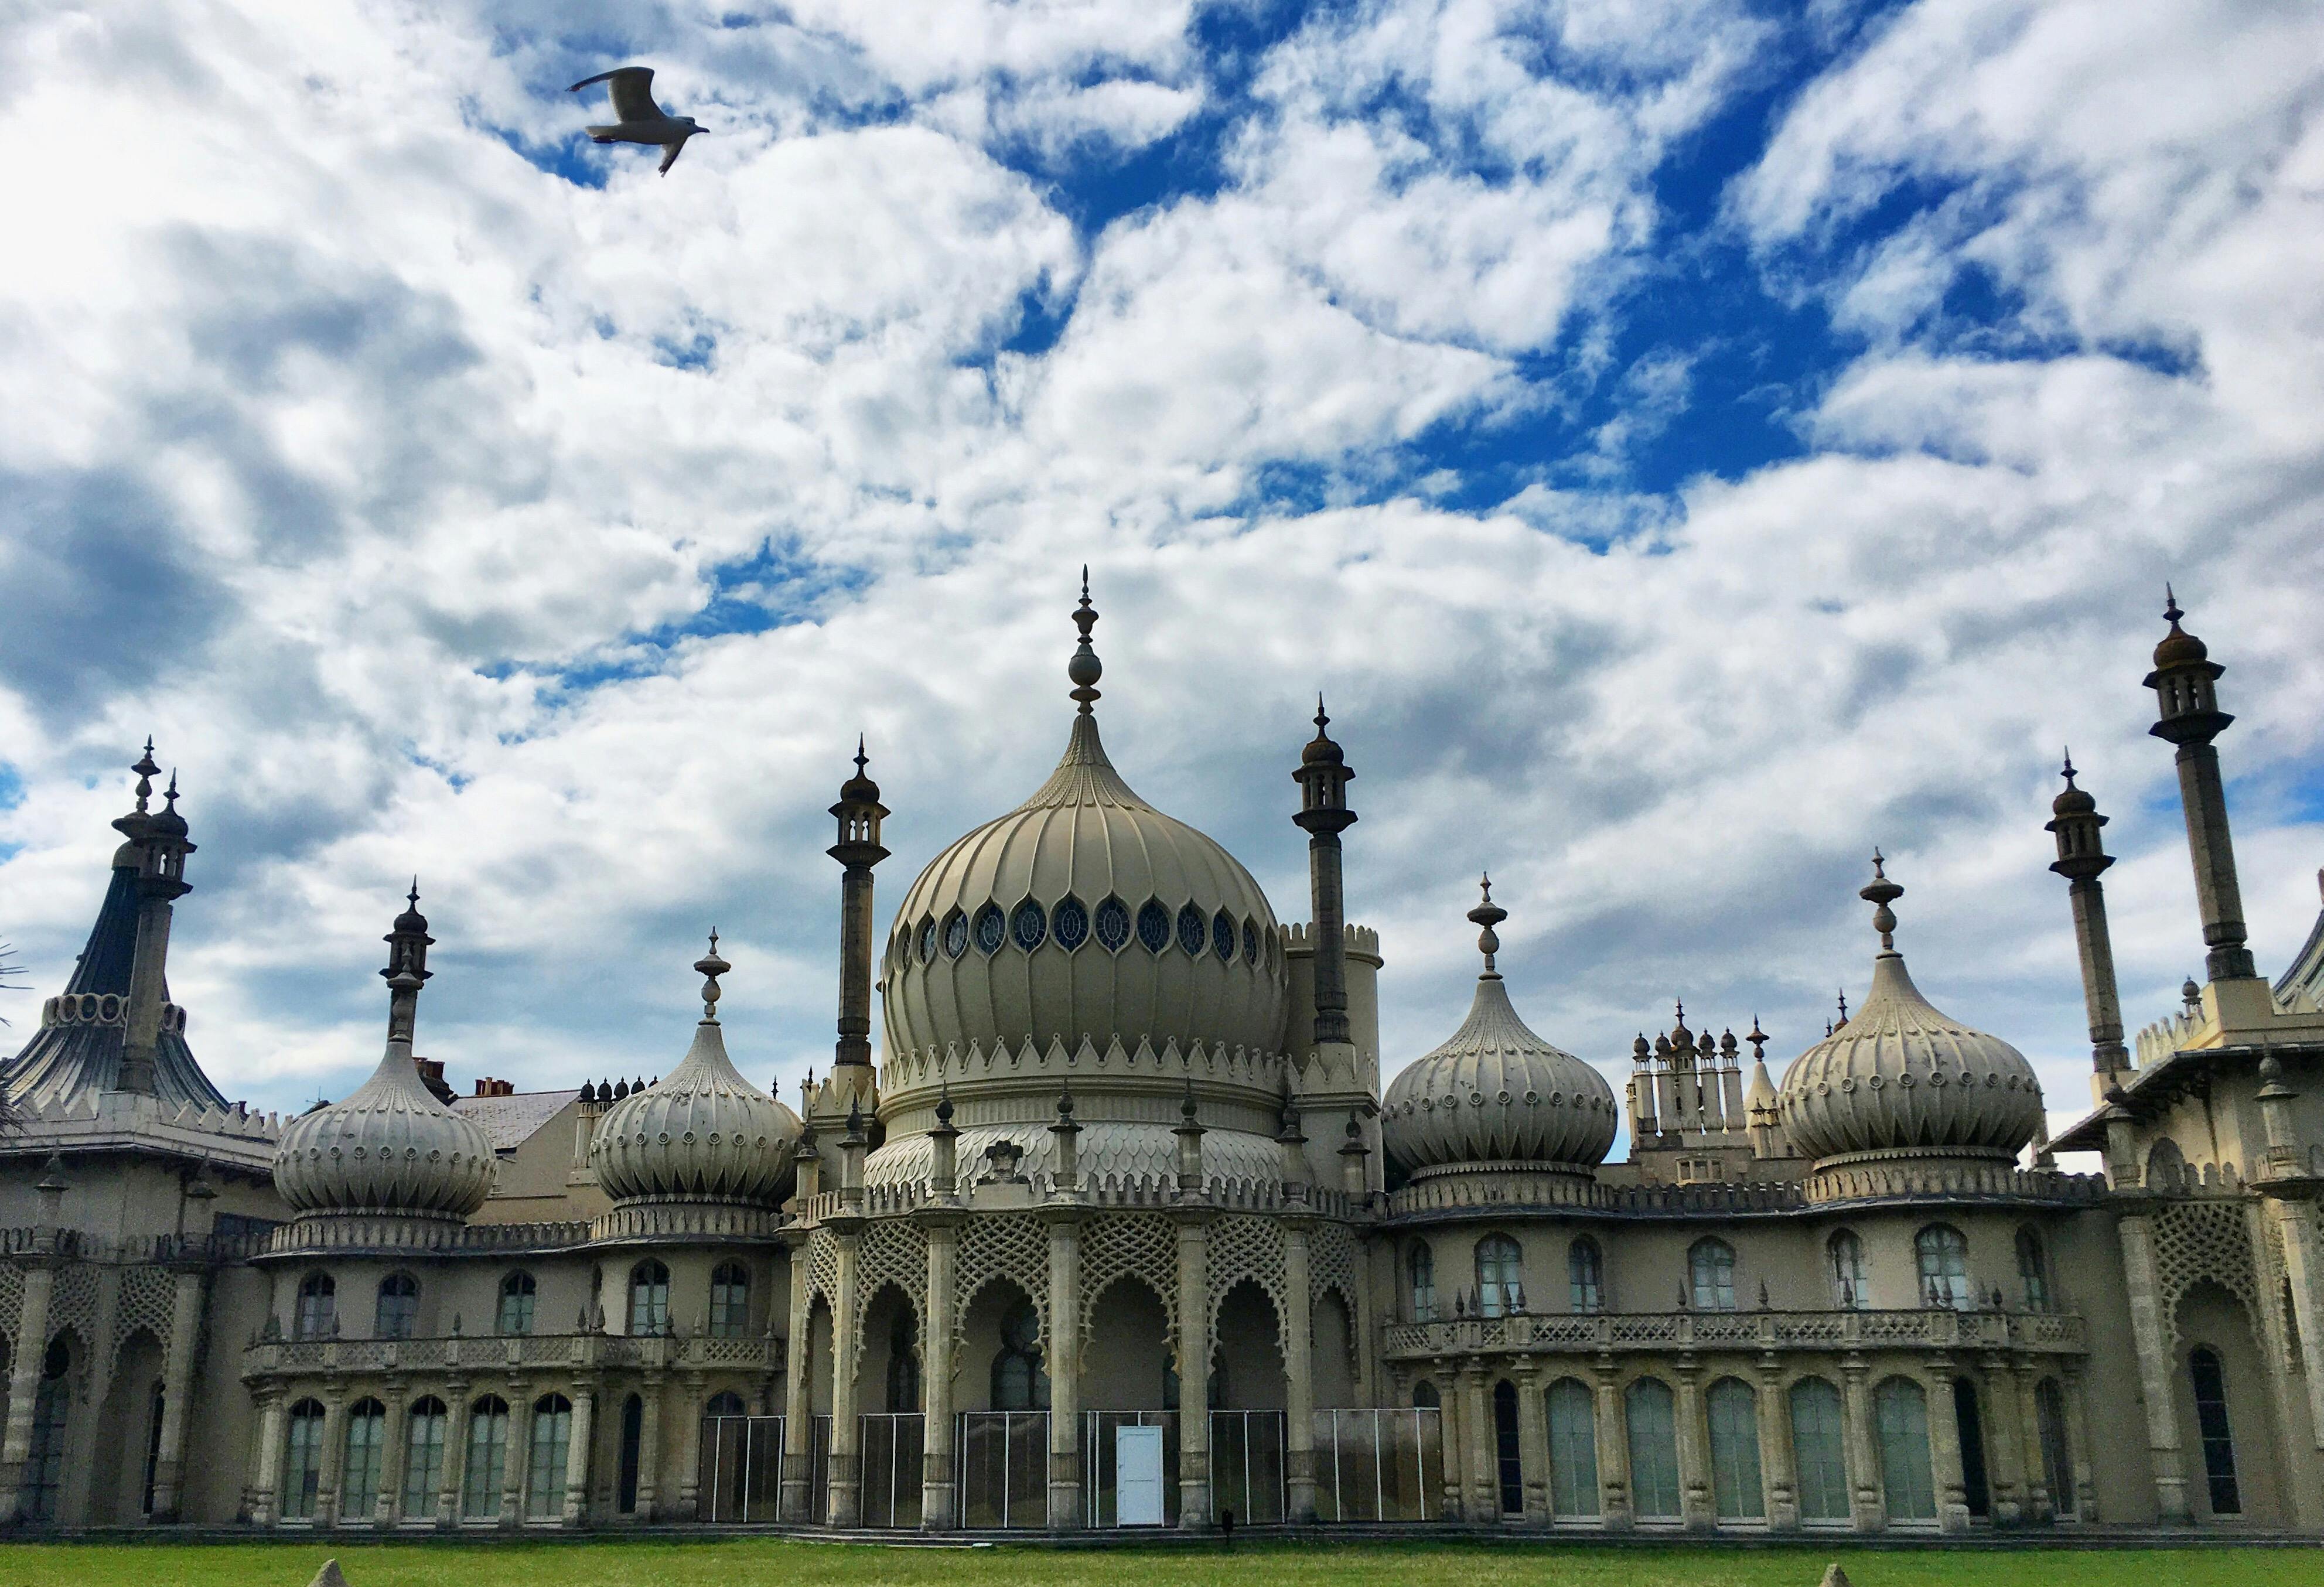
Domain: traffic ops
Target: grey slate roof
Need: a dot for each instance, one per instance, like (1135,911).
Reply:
(72,1061)
(511,1120)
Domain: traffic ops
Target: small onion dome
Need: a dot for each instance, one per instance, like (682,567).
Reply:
(2178,646)
(391,1148)
(700,1133)
(2073,800)
(1323,749)
(1495,1093)
(1900,1077)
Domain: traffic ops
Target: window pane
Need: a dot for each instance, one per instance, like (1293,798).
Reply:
(359,1482)
(1902,1411)
(2057,1463)
(1572,1449)
(1735,1451)
(423,1461)
(2211,1425)
(552,1431)
(1654,1450)
(1819,1450)
(479,1493)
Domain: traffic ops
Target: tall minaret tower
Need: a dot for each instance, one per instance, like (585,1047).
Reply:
(2182,681)
(2081,860)
(858,812)
(407,971)
(1323,814)
(162,846)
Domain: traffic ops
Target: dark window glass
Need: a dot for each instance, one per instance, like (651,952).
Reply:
(2211,1425)
(1505,1447)
(1113,925)
(319,1307)
(399,1307)
(649,1297)
(1192,933)
(928,940)
(1028,926)
(1071,923)
(991,929)
(955,934)
(1223,937)
(1019,1383)
(634,1423)
(1249,943)
(1153,927)
(730,1300)
(516,1303)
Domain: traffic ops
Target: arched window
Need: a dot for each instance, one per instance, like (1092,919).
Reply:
(730,1300)
(2166,1166)
(625,1486)
(1736,1491)
(991,929)
(1193,931)
(1153,926)
(1844,1255)
(903,1364)
(1113,925)
(1653,1449)
(303,1461)
(423,1458)
(398,1310)
(1420,1268)
(1819,1450)
(2034,1271)
(366,1444)
(516,1303)
(1508,1459)
(1500,1291)
(927,939)
(318,1316)
(1710,1275)
(154,1404)
(1901,1413)
(1019,1383)
(649,1297)
(1424,1397)
(1944,1256)
(488,1458)
(1585,1277)
(1572,1450)
(2057,1459)
(1223,937)
(544,1470)
(2211,1426)
(955,934)
(1029,925)
(1070,922)
(44,1467)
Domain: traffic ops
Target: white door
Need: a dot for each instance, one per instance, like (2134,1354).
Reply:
(1138,1476)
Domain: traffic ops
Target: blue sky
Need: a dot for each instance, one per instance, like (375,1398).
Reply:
(1690,441)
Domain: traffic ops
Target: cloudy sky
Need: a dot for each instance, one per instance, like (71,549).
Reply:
(1690,443)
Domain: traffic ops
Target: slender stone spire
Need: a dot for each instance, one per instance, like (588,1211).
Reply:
(162,846)
(1323,814)
(859,813)
(2082,858)
(1488,915)
(2184,682)
(1085,668)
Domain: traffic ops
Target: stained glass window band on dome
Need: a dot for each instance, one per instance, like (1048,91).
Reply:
(1113,925)
(1069,924)
(1154,926)
(1029,926)
(1193,934)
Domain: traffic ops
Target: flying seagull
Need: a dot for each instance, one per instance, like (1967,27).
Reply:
(642,121)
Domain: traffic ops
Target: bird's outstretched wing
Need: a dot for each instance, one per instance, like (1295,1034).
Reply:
(632,87)
(669,153)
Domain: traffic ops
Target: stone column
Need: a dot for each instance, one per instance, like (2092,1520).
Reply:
(272,1412)
(939,1490)
(2184,681)
(1945,1449)
(2004,1446)
(798,1402)
(1483,1436)
(335,1455)
(1455,1433)
(1193,1373)
(1533,1442)
(1778,1459)
(1697,1513)
(24,1382)
(576,1455)
(394,1435)
(650,1482)
(177,1389)
(1065,1367)
(2077,1439)
(2040,1503)
(1613,1452)
(2152,1336)
(690,1482)
(845,1498)
(2303,1265)
(455,1453)
(1298,1374)
(519,1459)
(1863,1449)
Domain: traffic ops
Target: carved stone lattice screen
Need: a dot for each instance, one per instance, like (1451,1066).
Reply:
(1004,1245)
(149,1299)
(1139,1243)
(2204,1237)
(1246,1248)
(894,1253)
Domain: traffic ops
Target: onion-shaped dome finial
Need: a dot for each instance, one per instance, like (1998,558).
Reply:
(1901,1077)
(701,1133)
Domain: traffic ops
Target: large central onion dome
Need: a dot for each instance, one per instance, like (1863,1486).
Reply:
(1900,1078)
(1495,1093)
(1085,912)
(701,1133)
(391,1149)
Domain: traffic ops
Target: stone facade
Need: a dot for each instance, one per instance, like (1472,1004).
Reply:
(1118,1226)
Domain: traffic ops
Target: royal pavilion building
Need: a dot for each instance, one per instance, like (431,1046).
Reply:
(1118,1226)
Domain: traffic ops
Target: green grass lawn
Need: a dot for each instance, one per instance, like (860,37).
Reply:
(734,1563)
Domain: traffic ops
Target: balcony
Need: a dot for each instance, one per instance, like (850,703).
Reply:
(457,1353)
(1580,1333)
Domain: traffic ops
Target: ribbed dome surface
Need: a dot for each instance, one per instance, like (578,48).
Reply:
(1903,1076)
(389,1149)
(700,1133)
(1085,912)
(1495,1093)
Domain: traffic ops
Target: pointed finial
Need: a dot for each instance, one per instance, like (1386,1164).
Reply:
(1321,720)
(1084,668)
(146,771)
(1489,915)
(412,898)
(2171,612)
(169,795)
(1681,1004)
(861,760)
(711,967)
(1187,1109)
(1843,1005)
(1758,1041)
(943,1106)
(1880,892)
(2067,772)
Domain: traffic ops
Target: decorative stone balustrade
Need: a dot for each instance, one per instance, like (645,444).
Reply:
(273,1359)
(1582,1333)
